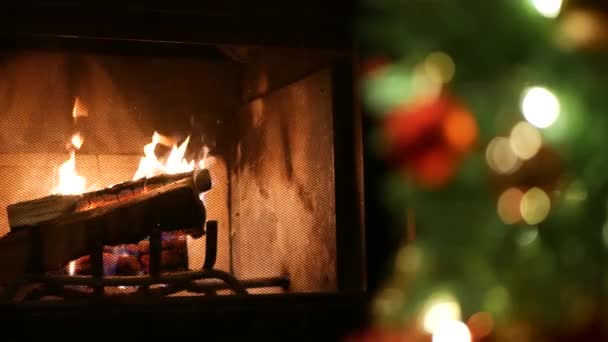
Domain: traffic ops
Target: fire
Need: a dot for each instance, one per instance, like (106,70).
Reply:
(150,165)
(72,267)
(70,183)
(77,141)
(80,110)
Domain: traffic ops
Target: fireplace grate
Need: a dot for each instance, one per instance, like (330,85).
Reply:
(207,281)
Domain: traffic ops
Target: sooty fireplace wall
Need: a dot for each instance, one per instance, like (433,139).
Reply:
(276,127)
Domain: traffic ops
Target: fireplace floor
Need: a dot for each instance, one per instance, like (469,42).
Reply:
(285,317)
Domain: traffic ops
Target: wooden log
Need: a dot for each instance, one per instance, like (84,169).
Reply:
(127,265)
(51,244)
(28,213)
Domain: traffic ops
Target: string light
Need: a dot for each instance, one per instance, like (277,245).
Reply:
(548,8)
(452,331)
(540,107)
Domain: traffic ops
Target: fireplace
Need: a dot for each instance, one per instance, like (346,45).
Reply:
(78,122)
(130,114)
(269,114)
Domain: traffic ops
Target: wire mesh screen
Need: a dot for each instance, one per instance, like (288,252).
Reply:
(73,122)
(283,213)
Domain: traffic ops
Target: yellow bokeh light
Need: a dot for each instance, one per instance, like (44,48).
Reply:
(452,331)
(540,107)
(580,27)
(439,310)
(548,8)
(535,206)
(500,156)
(439,67)
(508,205)
(409,259)
(525,140)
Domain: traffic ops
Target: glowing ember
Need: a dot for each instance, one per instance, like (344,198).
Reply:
(150,165)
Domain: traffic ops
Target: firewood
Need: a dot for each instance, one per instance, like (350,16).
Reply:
(171,260)
(83,264)
(143,247)
(50,244)
(33,212)
(127,265)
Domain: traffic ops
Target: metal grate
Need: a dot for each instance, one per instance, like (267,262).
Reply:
(206,281)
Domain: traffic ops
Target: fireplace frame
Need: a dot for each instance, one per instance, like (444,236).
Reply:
(183,29)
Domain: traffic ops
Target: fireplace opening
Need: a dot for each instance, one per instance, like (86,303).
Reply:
(138,174)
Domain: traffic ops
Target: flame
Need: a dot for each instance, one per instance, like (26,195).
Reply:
(72,267)
(80,110)
(77,141)
(70,183)
(150,165)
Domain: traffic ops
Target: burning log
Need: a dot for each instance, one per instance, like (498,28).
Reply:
(48,232)
(33,212)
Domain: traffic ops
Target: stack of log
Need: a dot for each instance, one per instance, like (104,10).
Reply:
(46,234)
(134,259)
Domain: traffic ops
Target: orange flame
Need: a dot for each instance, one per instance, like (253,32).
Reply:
(70,183)
(80,110)
(150,165)
(77,141)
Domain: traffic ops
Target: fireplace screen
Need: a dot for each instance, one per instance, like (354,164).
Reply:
(139,175)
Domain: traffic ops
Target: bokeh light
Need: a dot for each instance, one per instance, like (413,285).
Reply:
(409,259)
(500,156)
(439,67)
(452,331)
(535,206)
(525,140)
(480,324)
(440,309)
(548,8)
(460,130)
(385,89)
(580,28)
(527,238)
(508,205)
(540,107)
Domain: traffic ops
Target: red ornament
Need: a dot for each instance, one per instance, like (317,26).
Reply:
(428,137)
(435,168)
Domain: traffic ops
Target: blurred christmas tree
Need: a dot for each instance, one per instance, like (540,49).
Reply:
(491,117)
